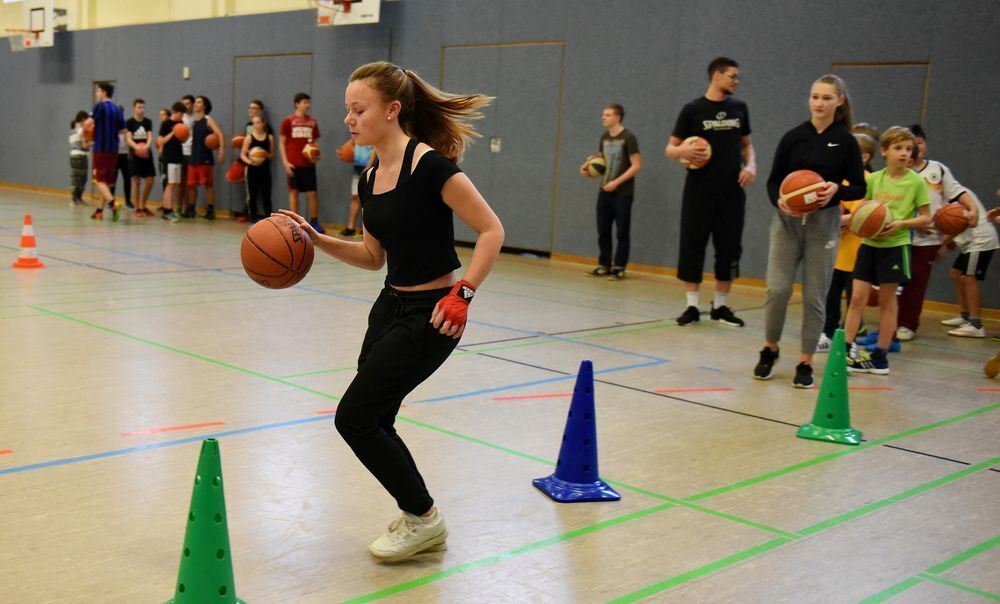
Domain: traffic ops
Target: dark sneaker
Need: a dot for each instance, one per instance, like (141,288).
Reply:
(98,214)
(690,315)
(314,223)
(209,213)
(348,232)
(599,272)
(880,362)
(857,364)
(725,315)
(114,211)
(189,213)
(148,212)
(130,205)
(766,363)
(616,274)
(803,376)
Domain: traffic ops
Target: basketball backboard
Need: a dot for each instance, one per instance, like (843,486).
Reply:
(41,19)
(330,13)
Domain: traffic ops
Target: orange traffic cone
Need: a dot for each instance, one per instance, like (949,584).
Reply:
(29,255)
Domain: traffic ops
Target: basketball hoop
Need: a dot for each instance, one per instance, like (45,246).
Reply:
(326,11)
(22,39)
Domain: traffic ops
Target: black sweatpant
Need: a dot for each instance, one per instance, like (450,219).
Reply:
(258,183)
(613,208)
(401,349)
(840,286)
(716,215)
(125,167)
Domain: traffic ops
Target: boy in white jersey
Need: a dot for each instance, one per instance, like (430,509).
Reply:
(976,245)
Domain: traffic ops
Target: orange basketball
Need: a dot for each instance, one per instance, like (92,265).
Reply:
(346,152)
(799,188)
(88,134)
(691,165)
(276,252)
(258,155)
(311,153)
(212,141)
(870,218)
(237,142)
(951,219)
(181,132)
(142,150)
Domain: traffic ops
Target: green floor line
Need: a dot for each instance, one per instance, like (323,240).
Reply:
(186,353)
(701,571)
(843,452)
(462,568)
(891,591)
(196,303)
(961,586)
(917,490)
(961,557)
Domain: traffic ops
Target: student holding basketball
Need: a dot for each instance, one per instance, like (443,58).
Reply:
(297,131)
(409,196)
(884,259)
(714,201)
(260,142)
(78,146)
(172,156)
(139,131)
(201,169)
(620,151)
(823,144)
(107,122)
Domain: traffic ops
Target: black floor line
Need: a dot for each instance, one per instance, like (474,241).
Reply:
(559,333)
(84,264)
(717,408)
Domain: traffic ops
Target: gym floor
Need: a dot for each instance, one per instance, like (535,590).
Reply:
(138,340)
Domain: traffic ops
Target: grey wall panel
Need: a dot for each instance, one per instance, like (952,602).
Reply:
(649,56)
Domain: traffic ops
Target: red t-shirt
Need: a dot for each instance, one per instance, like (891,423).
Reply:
(297,132)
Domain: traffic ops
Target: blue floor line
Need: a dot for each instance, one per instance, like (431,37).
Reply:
(161,445)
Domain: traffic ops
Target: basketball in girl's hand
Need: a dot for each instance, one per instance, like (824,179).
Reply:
(702,143)
(870,218)
(181,132)
(258,155)
(799,190)
(276,252)
(951,219)
(596,166)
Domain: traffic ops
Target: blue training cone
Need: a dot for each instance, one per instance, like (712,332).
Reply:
(576,478)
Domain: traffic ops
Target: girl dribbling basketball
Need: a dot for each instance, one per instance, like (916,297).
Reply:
(408,198)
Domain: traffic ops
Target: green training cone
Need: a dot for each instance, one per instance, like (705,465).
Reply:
(206,573)
(832,418)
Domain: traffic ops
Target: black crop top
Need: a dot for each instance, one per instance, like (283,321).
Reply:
(412,222)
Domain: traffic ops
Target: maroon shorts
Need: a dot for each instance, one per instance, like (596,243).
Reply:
(200,175)
(106,167)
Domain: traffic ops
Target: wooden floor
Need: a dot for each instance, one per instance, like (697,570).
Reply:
(139,339)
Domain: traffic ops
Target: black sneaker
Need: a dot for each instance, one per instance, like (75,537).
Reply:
(616,274)
(803,376)
(690,315)
(209,213)
(599,272)
(766,363)
(348,232)
(130,205)
(725,315)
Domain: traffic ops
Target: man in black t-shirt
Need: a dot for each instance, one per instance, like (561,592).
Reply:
(171,151)
(614,202)
(714,201)
(139,138)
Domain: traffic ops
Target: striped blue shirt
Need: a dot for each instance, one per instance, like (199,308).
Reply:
(108,121)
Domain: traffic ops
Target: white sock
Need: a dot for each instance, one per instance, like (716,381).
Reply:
(720,299)
(693,299)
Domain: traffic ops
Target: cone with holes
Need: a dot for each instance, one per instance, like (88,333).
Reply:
(576,478)
(28,258)
(832,418)
(206,572)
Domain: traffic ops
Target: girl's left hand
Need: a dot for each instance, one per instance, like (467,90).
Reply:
(302,222)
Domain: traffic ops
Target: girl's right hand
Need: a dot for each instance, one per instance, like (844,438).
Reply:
(302,222)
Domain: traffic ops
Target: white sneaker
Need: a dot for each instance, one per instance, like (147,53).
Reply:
(954,322)
(824,344)
(409,535)
(904,334)
(968,331)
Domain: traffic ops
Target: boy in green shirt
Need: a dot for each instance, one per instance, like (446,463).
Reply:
(884,259)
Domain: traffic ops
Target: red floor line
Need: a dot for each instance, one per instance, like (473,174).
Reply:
(326,412)
(674,390)
(171,429)
(533,396)
(6,451)
(987,389)
(872,388)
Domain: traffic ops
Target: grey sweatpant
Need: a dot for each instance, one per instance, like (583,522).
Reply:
(814,245)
